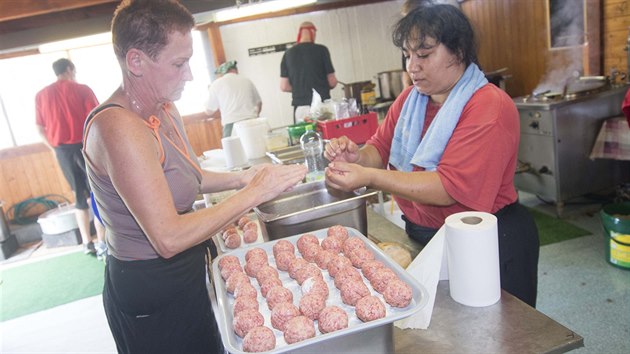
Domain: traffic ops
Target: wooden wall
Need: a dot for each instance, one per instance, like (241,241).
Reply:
(616,28)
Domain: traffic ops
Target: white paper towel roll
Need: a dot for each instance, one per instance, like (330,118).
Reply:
(472,253)
(234,152)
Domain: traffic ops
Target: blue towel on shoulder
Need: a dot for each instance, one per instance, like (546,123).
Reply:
(405,150)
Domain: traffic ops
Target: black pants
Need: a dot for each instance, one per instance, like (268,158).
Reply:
(518,250)
(161,305)
(70,158)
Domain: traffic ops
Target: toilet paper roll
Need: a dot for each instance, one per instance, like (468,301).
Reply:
(472,253)
(234,152)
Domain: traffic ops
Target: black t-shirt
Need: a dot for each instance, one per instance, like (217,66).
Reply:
(307,66)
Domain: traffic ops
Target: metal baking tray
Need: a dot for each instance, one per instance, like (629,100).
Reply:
(355,337)
(289,155)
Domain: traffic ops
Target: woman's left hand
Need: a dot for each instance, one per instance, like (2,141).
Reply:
(248,174)
(346,176)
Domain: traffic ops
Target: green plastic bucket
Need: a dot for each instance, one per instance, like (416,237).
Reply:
(616,222)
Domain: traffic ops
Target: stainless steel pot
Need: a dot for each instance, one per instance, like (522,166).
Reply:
(56,221)
(390,84)
(353,89)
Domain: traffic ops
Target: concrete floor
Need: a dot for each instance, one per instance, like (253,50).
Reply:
(577,288)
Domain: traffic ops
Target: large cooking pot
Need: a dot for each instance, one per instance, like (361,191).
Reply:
(353,89)
(56,221)
(390,84)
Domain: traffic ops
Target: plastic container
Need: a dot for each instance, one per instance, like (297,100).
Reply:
(313,147)
(296,131)
(616,222)
(252,133)
(358,128)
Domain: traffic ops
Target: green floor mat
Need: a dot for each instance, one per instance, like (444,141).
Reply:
(552,229)
(48,283)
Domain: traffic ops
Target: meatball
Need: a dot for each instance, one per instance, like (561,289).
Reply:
(299,328)
(398,293)
(310,251)
(250,236)
(370,308)
(352,291)
(323,258)
(283,246)
(346,274)
(265,272)
(338,262)
(243,220)
(306,239)
(259,339)
(269,283)
(233,241)
(381,278)
(278,294)
(254,265)
(281,313)
(244,289)
(308,271)
(360,256)
(338,231)
(228,259)
(311,305)
(256,252)
(332,244)
(351,244)
(234,280)
(251,225)
(315,285)
(228,232)
(245,320)
(283,259)
(229,269)
(244,303)
(331,319)
(295,265)
(368,268)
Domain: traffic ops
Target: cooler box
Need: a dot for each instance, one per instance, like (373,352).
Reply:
(358,128)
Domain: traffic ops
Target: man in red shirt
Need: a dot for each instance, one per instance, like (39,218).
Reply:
(61,110)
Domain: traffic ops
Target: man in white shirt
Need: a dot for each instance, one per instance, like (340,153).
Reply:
(232,97)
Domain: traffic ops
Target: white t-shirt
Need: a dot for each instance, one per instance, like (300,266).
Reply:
(236,97)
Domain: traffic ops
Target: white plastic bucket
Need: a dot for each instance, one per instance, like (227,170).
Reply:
(252,133)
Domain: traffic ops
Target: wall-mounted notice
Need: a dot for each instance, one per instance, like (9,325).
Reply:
(270,49)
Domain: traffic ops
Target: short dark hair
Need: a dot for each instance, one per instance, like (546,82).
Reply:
(60,66)
(445,23)
(146,24)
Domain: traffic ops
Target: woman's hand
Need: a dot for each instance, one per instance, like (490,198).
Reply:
(341,149)
(271,180)
(347,176)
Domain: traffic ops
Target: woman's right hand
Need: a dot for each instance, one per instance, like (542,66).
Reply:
(342,149)
(271,180)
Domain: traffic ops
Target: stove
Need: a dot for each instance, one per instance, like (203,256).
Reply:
(557,135)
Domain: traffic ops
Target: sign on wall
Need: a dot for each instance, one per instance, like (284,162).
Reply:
(270,49)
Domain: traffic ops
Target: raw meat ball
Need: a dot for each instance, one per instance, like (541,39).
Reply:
(259,339)
(310,251)
(299,328)
(370,308)
(283,259)
(278,294)
(228,232)
(281,313)
(323,258)
(243,220)
(352,291)
(256,252)
(233,241)
(269,283)
(332,244)
(361,255)
(338,262)
(251,225)
(230,268)
(370,267)
(244,303)
(346,274)
(250,236)
(338,231)
(315,285)
(352,244)
(311,305)
(295,265)
(254,265)
(309,270)
(306,239)
(331,319)
(283,246)
(246,320)
(381,278)
(244,289)
(228,259)
(265,272)
(234,280)
(398,293)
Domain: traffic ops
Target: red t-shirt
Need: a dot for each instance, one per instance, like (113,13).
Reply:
(625,106)
(61,108)
(479,161)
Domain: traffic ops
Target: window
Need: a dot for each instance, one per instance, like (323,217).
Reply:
(97,67)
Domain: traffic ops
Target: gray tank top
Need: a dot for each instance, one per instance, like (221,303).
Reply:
(126,240)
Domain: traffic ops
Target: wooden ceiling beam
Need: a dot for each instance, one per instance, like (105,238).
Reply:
(16,9)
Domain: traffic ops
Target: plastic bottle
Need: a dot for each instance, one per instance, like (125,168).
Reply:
(313,148)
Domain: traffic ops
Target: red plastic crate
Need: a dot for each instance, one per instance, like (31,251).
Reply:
(358,128)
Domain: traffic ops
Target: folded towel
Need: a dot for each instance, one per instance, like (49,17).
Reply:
(405,150)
